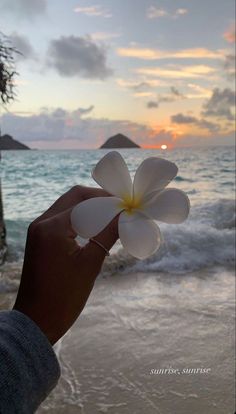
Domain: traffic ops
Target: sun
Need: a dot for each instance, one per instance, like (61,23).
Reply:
(164,146)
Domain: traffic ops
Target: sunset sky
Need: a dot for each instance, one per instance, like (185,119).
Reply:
(160,72)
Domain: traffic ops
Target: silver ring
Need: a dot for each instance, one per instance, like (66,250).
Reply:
(100,245)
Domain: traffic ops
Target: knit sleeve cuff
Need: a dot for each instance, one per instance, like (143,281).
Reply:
(29,369)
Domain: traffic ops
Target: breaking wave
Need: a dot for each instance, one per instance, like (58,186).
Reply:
(206,239)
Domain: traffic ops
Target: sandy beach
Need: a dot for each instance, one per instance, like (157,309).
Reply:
(135,325)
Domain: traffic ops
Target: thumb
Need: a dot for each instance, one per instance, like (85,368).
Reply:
(106,238)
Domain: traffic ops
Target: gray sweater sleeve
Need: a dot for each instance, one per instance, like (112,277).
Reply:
(29,369)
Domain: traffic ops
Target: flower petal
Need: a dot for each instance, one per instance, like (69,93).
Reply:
(91,216)
(153,174)
(139,235)
(112,174)
(170,206)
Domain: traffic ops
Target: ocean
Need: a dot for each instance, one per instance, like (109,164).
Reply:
(175,308)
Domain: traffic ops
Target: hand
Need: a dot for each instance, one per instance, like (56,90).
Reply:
(58,275)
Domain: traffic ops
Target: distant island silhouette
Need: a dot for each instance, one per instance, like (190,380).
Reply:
(119,141)
(8,143)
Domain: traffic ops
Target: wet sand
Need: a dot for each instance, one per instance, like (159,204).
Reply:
(136,323)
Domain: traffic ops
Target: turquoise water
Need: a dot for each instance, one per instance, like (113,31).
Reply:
(33,180)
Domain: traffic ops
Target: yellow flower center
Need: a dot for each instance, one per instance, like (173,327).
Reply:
(130,203)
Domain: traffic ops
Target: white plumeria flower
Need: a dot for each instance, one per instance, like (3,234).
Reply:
(139,203)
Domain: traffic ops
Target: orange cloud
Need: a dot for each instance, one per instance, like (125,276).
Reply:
(200,92)
(138,84)
(183,72)
(143,94)
(158,135)
(154,54)
(230,35)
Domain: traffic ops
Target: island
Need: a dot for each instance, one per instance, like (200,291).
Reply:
(8,143)
(119,141)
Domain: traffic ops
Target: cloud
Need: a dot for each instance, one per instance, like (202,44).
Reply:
(220,104)
(62,113)
(24,8)
(156,54)
(205,141)
(229,66)
(85,111)
(200,92)
(167,136)
(154,12)
(178,72)
(173,96)
(230,35)
(175,92)
(183,119)
(138,85)
(204,124)
(152,104)
(141,89)
(78,56)
(41,126)
(229,63)
(48,125)
(143,94)
(93,11)
(201,123)
(22,44)
(57,113)
(181,12)
(60,128)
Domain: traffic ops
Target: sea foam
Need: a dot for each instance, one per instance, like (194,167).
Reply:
(206,239)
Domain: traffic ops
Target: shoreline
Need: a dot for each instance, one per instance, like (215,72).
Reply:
(135,323)
(138,322)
